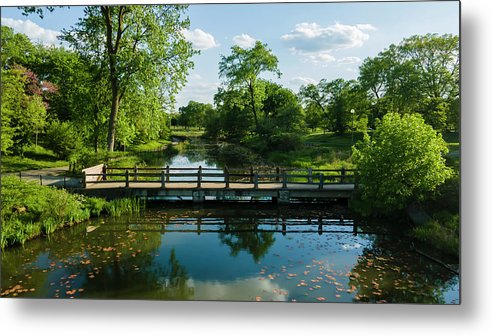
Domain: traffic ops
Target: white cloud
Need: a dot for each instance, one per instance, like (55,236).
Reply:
(311,37)
(244,41)
(366,26)
(349,60)
(198,90)
(301,81)
(33,31)
(199,39)
(317,43)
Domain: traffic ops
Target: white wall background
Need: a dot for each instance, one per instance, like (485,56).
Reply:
(472,317)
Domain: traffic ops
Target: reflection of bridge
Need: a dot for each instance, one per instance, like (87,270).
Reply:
(231,225)
(200,184)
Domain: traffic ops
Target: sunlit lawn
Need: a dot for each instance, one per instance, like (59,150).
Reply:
(35,157)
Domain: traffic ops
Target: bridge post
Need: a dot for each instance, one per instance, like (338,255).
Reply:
(226,177)
(283,197)
(199,177)
(321,180)
(320,225)
(127,179)
(277,178)
(84,180)
(198,196)
(284,179)
(251,175)
(167,174)
(255,181)
(163,179)
(342,177)
(310,175)
(135,171)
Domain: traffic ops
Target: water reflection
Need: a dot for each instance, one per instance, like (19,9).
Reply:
(227,253)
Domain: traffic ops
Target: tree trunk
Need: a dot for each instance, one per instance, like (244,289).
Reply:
(253,105)
(115,104)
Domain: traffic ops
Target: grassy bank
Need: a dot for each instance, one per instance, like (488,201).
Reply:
(442,233)
(320,151)
(153,145)
(30,210)
(35,157)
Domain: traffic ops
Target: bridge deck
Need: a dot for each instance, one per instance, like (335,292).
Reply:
(218,185)
(200,183)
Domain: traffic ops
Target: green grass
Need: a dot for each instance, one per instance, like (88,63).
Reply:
(332,140)
(35,157)
(15,164)
(153,145)
(189,133)
(30,210)
(442,233)
(320,151)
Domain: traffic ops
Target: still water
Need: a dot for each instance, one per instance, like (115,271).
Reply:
(245,251)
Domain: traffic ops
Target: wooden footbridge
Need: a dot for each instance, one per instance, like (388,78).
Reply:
(200,183)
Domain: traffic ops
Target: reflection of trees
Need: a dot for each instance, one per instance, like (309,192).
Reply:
(390,272)
(255,243)
(109,263)
(134,275)
(175,286)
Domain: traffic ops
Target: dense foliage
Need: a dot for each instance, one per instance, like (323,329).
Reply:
(30,210)
(400,163)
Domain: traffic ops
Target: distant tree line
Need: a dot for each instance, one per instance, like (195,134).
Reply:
(420,75)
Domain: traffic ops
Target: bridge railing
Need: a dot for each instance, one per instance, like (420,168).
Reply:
(200,175)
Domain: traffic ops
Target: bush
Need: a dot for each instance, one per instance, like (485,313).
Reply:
(285,142)
(64,138)
(29,210)
(442,233)
(401,163)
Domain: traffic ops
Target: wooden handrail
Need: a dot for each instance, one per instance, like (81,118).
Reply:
(200,175)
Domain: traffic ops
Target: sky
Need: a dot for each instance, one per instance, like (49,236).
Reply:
(312,41)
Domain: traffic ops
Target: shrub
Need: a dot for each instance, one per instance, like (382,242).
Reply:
(64,138)
(29,210)
(442,233)
(402,162)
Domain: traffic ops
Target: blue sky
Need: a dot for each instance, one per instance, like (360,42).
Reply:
(311,40)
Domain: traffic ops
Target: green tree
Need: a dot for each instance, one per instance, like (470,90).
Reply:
(23,108)
(64,138)
(281,109)
(418,68)
(142,47)
(314,116)
(233,120)
(401,163)
(316,95)
(242,69)
(16,48)
(335,99)
(194,114)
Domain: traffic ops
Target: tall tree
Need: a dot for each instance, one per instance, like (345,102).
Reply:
(143,48)
(243,67)
(404,77)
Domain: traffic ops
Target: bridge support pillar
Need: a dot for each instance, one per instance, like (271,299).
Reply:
(198,197)
(283,197)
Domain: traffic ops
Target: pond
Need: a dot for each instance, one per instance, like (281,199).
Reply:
(241,251)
